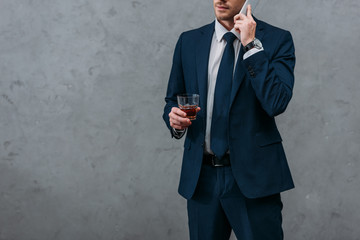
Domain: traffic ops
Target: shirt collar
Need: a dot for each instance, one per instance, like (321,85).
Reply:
(220,31)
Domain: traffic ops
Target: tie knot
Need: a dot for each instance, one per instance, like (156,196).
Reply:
(229,37)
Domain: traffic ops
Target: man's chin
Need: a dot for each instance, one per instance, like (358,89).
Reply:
(224,18)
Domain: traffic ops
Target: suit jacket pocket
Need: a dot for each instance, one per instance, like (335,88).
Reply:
(268,137)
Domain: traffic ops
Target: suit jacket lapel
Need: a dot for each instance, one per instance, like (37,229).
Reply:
(259,29)
(202,60)
(239,76)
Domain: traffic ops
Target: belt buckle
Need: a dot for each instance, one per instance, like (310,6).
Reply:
(213,162)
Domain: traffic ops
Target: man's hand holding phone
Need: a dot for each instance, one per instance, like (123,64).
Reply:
(246,26)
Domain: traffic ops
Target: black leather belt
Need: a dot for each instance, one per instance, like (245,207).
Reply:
(212,160)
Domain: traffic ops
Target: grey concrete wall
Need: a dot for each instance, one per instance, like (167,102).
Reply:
(84,153)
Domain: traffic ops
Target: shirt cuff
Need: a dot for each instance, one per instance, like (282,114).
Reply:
(252,52)
(178,133)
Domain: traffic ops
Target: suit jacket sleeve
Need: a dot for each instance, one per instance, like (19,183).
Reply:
(272,74)
(175,86)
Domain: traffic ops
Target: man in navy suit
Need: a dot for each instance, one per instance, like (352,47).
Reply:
(234,166)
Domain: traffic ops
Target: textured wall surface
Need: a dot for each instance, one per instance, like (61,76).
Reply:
(84,153)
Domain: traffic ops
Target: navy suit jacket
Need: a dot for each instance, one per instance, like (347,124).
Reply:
(261,89)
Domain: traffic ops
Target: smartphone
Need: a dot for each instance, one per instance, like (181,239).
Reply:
(253,4)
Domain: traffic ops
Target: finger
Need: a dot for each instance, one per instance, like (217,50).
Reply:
(174,122)
(178,111)
(238,24)
(182,121)
(249,10)
(198,109)
(240,16)
(178,127)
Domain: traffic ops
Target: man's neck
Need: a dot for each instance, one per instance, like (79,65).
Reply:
(227,24)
